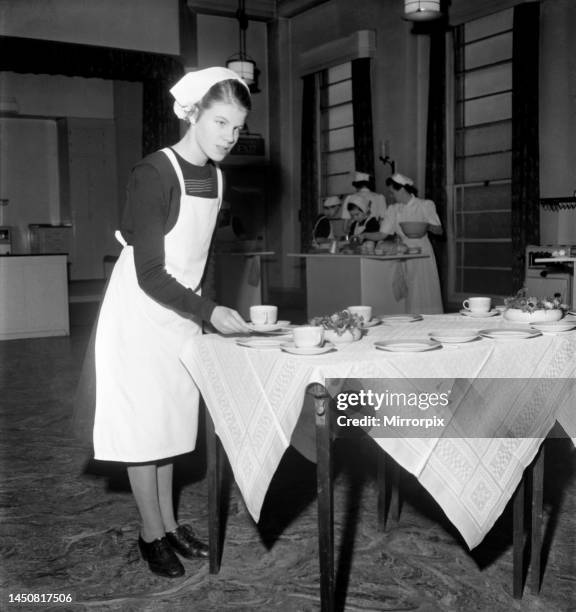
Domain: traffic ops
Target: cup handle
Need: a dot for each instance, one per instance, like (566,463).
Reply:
(466,304)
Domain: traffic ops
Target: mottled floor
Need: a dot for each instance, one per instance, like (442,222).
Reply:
(68,525)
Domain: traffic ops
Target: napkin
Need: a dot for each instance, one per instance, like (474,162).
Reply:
(399,284)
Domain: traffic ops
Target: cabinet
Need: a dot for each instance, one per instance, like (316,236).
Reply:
(33,296)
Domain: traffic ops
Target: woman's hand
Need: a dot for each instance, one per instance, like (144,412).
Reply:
(228,321)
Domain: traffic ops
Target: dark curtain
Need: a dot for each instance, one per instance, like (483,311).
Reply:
(435,181)
(525,218)
(362,113)
(157,73)
(309,171)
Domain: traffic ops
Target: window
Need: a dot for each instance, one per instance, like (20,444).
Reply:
(481,201)
(336,130)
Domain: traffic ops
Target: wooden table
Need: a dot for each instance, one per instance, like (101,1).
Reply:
(256,399)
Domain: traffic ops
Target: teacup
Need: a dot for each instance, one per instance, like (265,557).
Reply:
(477,304)
(308,336)
(263,314)
(364,312)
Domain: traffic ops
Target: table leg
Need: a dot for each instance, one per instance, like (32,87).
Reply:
(396,490)
(518,540)
(213,461)
(389,490)
(536,526)
(382,483)
(325,494)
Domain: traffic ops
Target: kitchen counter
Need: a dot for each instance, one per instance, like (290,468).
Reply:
(337,280)
(34,296)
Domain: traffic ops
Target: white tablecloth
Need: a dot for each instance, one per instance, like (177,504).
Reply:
(255,398)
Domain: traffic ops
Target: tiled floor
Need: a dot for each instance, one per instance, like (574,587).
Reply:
(69,525)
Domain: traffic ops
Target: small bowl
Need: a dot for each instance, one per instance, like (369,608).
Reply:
(414,229)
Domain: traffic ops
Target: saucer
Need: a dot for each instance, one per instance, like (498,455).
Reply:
(401,318)
(554,327)
(479,315)
(269,327)
(290,347)
(454,336)
(509,333)
(373,322)
(407,346)
(260,343)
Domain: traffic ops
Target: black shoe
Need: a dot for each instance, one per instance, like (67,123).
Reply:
(161,558)
(184,542)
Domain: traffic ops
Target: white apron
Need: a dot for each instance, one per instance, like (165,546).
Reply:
(422,281)
(146,402)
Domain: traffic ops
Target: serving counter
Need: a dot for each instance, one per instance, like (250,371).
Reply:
(335,281)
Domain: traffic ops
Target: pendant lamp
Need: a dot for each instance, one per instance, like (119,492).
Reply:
(422,10)
(241,63)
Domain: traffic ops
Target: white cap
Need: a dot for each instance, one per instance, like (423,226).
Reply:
(192,87)
(358,200)
(331,201)
(361,176)
(401,179)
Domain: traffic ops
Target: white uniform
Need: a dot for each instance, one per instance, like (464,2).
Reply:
(146,402)
(424,295)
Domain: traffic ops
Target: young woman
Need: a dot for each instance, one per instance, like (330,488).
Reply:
(423,284)
(362,221)
(322,231)
(146,403)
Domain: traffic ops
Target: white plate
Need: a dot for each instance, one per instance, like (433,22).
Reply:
(290,347)
(554,327)
(407,346)
(479,315)
(454,336)
(509,333)
(401,318)
(261,343)
(373,321)
(271,327)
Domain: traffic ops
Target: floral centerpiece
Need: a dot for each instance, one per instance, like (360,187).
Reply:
(529,309)
(342,326)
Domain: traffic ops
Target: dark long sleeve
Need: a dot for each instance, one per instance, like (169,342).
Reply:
(149,215)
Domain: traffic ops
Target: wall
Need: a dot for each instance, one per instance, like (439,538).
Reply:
(399,85)
(124,24)
(558,117)
(59,96)
(89,194)
(217,40)
(29,178)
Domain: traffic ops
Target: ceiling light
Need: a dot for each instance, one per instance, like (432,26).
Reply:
(243,65)
(422,10)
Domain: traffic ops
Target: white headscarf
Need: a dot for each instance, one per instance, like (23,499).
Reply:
(358,200)
(192,87)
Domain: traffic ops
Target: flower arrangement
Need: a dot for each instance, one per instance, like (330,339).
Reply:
(340,322)
(530,304)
